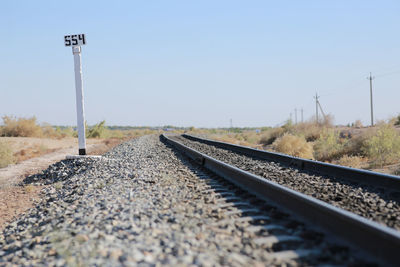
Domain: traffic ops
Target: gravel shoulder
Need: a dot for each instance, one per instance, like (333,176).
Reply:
(366,201)
(16,197)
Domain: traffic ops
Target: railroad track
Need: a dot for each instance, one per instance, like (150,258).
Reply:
(376,239)
(146,204)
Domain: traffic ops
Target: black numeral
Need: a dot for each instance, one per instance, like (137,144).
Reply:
(74,40)
(67,40)
(82,38)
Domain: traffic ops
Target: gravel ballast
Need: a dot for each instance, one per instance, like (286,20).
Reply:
(143,204)
(366,201)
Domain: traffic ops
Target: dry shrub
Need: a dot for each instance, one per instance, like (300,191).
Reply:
(251,137)
(397,121)
(96,131)
(358,124)
(309,130)
(22,127)
(137,132)
(6,155)
(383,147)
(328,120)
(65,132)
(48,131)
(294,146)
(329,146)
(237,139)
(355,145)
(269,136)
(351,161)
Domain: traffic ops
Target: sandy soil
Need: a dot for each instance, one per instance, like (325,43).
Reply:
(16,198)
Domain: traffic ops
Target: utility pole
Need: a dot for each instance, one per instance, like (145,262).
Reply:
(316,106)
(295,115)
(370,78)
(231,124)
(291,121)
(302,115)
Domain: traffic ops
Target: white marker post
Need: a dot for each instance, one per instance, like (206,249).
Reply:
(76,41)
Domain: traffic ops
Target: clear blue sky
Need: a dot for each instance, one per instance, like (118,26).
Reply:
(200,63)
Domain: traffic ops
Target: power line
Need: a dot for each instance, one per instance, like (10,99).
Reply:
(387,74)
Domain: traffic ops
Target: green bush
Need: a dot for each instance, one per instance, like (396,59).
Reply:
(383,147)
(65,132)
(329,146)
(96,131)
(6,155)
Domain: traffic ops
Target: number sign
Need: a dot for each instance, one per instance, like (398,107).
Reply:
(74,40)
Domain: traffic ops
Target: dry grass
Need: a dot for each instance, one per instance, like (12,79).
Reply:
(22,127)
(29,188)
(28,127)
(294,146)
(31,152)
(269,136)
(309,130)
(6,155)
(351,161)
(356,146)
(107,144)
(232,139)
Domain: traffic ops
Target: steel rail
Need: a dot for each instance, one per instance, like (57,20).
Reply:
(379,241)
(376,179)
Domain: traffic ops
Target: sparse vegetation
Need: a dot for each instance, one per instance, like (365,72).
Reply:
(29,188)
(294,146)
(329,145)
(29,127)
(383,147)
(21,127)
(309,130)
(96,131)
(269,136)
(30,152)
(6,155)
(353,146)
(350,161)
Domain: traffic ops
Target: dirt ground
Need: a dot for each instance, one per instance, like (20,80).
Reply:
(36,154)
